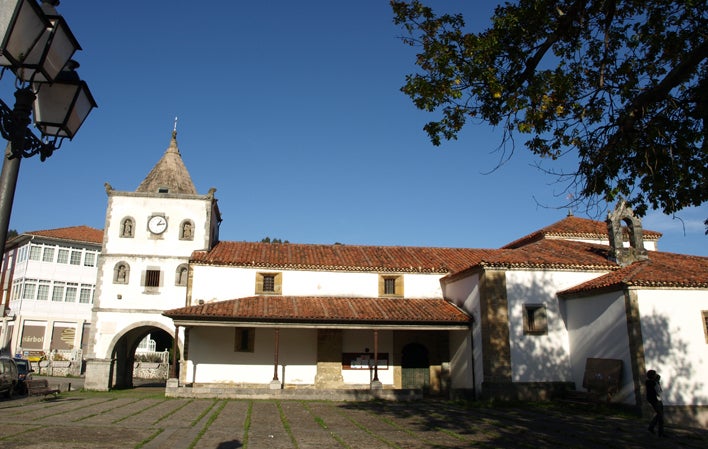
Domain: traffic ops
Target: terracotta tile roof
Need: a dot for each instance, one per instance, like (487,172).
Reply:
(340,257)
(661,270)
(76,233)
(553,254)
(574,228)
(332,310)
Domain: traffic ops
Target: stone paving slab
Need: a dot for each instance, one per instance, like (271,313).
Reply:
(134,420)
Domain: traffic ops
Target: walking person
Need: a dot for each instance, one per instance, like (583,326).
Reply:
(654,398)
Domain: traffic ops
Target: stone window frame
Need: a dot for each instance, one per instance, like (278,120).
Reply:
(704,316)
(397,280)
(535,319)
(244,339)
(277,283)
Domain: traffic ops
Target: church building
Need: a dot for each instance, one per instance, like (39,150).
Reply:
(578,305)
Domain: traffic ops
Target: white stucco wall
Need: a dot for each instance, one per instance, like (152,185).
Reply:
(675,342)
(212,358)
(222,283)
(539,358)
(466,366)
(597,328)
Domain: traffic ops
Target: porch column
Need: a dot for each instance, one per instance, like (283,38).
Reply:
(275,383)
(375,383)
(175,348)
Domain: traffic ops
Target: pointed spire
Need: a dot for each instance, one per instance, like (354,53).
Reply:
(169,175)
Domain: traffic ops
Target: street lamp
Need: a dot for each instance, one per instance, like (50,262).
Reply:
(36,45)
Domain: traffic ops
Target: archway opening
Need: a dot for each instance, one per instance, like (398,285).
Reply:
(142,357)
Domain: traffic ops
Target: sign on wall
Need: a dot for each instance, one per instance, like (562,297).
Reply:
(363,360)
(63,338)
(33,336)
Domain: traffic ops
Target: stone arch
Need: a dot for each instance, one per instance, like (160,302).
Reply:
(181,274)
(121,350)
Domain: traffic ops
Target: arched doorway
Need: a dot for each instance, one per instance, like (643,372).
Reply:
(124,352)
(415,366)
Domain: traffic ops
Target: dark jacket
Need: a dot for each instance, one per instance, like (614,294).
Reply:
(653,391)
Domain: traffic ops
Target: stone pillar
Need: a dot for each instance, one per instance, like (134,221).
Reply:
(494,320)
(329,359)
(98,374)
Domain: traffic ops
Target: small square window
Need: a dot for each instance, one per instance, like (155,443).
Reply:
(269,283)
(535,321)
(152,278)
(244,339)
(390,285)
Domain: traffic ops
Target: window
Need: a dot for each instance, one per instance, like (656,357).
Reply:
(535,322)
(121,273)
(86,295)
(58,291)
(75,257)
(705,323)
(48,254)
(43,290)
(244,339)
(181,275)
(35,252)
(90,260)
(63,255)
(30,289)
(71,289)
(390,285)
(269,283)
(152,278)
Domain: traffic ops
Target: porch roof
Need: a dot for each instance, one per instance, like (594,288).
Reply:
(321,312)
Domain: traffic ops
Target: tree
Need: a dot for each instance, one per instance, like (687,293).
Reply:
(620,84)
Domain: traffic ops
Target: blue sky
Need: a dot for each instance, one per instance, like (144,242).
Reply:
(292,111)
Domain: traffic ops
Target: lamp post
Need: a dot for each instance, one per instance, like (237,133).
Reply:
(36,46)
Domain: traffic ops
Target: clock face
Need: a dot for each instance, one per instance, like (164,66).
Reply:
(157,224)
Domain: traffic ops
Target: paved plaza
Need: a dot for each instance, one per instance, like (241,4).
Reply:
(144,418)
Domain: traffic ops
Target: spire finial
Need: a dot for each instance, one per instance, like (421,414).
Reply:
(174,130)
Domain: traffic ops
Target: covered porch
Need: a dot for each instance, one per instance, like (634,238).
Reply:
(321,347)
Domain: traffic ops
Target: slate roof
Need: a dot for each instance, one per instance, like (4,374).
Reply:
(169,173)
(574,228)
(74,233)
(326,310)
(294,256)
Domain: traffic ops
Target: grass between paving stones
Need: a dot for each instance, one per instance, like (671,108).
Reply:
(366,429)
(143,410)
(321,422)
(209,422)
(286,424)
(104,411)
(247,424)
(174,411)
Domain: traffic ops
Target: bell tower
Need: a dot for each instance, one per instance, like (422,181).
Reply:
(149,237)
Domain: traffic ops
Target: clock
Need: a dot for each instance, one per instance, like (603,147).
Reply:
(157,224)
